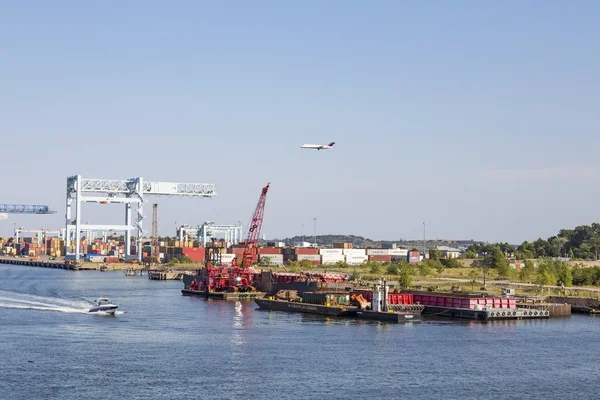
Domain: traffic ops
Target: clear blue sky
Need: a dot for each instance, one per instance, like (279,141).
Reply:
(480,118)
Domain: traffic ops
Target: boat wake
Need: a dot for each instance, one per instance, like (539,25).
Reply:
(41,303)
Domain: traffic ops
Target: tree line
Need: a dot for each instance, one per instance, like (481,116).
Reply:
(581,243)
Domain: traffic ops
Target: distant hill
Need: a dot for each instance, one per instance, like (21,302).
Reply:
(362,242)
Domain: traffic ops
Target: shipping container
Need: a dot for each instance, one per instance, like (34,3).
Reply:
(355,260)
(305,250)
(343,245)
(380,258)
(378,252)
(355,252)
(324,252)
(271,259)
(196,254)
(399,252)
(309,257)
(269,250)
(335,257)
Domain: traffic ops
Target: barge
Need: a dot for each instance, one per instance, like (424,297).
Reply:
(218,283)
(352,304)
(296,306)
(479,307)
(230,296)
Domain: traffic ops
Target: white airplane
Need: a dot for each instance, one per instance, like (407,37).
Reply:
(318,146)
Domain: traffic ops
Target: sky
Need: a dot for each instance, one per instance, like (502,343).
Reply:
(478,118)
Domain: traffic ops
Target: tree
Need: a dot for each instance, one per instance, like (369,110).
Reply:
(526,250)
(451,263)
(306,264)
(374,267)
(470,254)
(434,254)
(473,276)
(186,260)
(496,259)
(264,261)
(405,274)
(425,268)
(392,269)
(527,271)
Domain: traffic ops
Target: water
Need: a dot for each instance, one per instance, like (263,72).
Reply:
(166,346)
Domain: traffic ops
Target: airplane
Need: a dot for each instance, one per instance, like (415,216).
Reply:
(318,146)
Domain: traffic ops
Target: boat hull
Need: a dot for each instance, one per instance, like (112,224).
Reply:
(104,309)
(396,316)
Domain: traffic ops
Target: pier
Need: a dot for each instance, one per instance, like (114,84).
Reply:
(38,263)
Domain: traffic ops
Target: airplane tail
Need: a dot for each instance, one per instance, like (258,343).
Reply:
(331,144)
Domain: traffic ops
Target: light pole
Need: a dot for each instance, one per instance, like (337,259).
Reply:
(423,240)
(315,221)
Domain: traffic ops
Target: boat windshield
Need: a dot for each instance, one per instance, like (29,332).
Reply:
(103,301)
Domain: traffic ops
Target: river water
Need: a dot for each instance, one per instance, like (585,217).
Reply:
(163,345)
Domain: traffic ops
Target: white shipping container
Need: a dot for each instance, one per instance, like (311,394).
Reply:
(356,257)
(277,260)
(271,256)
(354,260)
(378,252)
(310,257)
(331,252)
(331,259)
(359,252)
(398,252)
(227,257)
(328,261)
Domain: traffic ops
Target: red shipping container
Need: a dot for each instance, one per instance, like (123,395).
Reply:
(236,250)
(306,250)
(194,253)
(269,250)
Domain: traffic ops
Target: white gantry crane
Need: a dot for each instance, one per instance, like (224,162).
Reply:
(40,233)
(128,192)
(231,233)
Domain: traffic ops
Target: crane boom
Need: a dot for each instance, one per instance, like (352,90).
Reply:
(254,227)
(25,209)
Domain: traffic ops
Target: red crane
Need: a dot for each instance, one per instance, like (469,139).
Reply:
(254,228)
(219,278)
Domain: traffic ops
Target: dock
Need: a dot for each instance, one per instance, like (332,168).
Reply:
(38,263)
(165,275)
(555,309)
(579,305)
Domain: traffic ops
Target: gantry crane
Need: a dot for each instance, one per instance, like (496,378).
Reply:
(25,209)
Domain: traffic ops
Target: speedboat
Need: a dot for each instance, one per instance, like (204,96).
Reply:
(104,305)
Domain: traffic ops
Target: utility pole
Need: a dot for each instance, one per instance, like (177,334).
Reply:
(315,221)
(155,250)
(423,240)
(302,234)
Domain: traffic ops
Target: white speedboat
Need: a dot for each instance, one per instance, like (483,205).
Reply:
(104,305)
